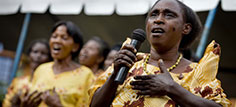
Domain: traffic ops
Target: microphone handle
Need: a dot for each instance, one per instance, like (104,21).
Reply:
(121,75)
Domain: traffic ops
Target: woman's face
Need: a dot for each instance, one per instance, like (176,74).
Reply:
(89,54)
(165,24)
(39,53)
(61,44)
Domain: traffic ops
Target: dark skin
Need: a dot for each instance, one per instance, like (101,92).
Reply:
(50,97)
(29,100)
(167,16)
(90,56)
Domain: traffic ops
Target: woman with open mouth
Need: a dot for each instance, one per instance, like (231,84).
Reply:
(63,82)
(164,78)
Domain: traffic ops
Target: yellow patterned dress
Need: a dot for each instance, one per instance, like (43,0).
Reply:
(71,86)
(99,72)
(197,78)
(18,84)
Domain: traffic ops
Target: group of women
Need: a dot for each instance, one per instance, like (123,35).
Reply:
(160,78)
(60,77)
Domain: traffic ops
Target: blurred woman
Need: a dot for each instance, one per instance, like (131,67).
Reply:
(63,82)
(111,55)
(93,55)
(38,53)
(164,78)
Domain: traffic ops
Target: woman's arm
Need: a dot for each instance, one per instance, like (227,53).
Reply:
(104,96)
(51,98)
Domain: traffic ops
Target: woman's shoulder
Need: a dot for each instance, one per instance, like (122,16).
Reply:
(18,82)
(208,64)
(47,65)
(84,69)
(43,68)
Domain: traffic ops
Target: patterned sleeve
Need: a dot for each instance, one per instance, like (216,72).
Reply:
(209,85)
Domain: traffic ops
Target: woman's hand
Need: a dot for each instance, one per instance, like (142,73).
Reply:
(154,85)
(125,57)
(51,98)
(31,100)
(16,100)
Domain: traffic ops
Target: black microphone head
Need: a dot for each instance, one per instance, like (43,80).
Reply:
(139,34)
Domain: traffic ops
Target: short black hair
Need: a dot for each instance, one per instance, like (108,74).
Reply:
(72,31)
(189,17)
(103,50)
(42,41)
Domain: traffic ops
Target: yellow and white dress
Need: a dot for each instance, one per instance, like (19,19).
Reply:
(71,86)
(198,78)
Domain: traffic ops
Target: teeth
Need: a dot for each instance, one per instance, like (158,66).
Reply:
(158,30)
(56,47)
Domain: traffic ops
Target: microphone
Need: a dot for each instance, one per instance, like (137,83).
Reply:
(138,36)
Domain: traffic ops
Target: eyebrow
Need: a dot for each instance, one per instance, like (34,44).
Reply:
(170,11)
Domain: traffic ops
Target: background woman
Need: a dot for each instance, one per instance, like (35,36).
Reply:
(38,53)
(111,55)
(63,82)
(93,54)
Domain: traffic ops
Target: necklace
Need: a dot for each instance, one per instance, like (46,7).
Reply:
(168,69)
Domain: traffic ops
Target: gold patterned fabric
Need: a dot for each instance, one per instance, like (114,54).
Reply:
(18,84)
(198,78)
(71,86)
(99,72)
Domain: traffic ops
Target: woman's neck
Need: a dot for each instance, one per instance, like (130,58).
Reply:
(93,67)
(62,65)
(169,57)
(33,66)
